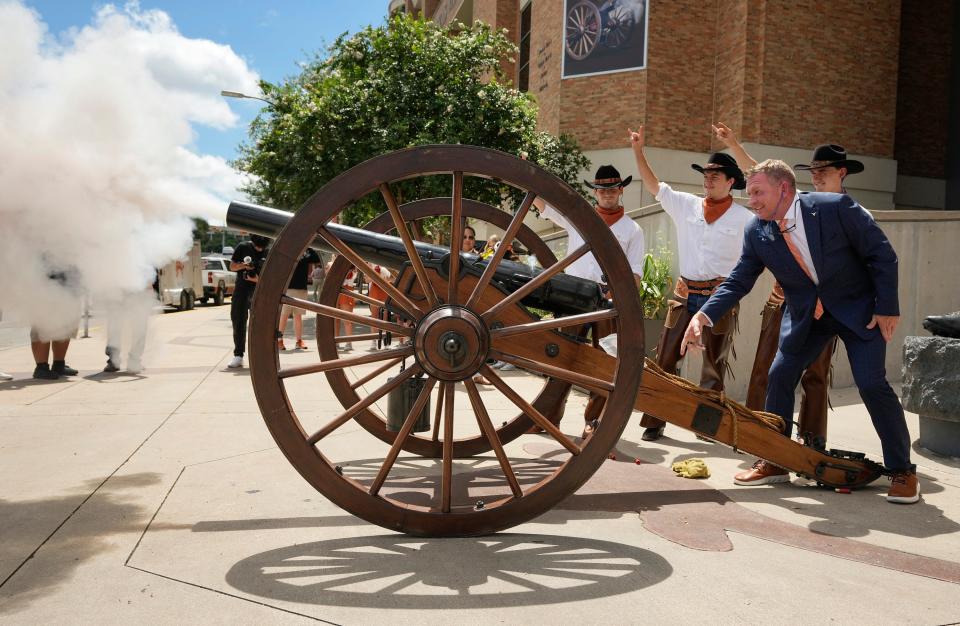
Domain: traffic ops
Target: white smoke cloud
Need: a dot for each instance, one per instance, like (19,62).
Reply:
(97,166)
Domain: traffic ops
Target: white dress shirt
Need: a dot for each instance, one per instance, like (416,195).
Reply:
(706,251)
(628,234)
(796,230)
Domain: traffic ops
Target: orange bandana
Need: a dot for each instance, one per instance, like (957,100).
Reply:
(611,216)
(714,209)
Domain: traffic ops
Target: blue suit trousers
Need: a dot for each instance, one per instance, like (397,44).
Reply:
(867,358)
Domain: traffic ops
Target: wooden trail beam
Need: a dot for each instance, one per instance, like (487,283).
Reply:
(694,411)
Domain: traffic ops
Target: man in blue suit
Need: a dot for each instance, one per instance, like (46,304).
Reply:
(839,276)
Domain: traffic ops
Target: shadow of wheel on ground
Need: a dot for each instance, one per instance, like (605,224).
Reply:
(395,571)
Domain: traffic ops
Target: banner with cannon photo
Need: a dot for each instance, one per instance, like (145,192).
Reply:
(604,36)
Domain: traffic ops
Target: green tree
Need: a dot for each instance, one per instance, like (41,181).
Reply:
(407,83)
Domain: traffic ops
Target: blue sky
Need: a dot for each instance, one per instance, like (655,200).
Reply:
(271,36)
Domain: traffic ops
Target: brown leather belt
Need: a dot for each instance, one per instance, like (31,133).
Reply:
(685,286)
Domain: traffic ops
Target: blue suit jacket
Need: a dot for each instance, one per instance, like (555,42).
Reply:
(855,263)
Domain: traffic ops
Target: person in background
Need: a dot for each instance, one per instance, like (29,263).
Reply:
(469,239)
(375,292)
(247,259)
(43,342)
(297,288)
(130,312)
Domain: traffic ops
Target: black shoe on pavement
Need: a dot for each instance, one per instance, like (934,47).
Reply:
(653,433)
(62,369)
(43,372)
(110,367)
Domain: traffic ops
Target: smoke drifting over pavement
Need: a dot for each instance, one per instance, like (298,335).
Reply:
(97,169)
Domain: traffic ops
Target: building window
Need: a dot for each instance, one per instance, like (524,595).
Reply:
(523,79)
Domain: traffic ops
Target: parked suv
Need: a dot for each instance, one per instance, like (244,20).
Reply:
(218,280)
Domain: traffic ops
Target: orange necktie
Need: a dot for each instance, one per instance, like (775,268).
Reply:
(818,312)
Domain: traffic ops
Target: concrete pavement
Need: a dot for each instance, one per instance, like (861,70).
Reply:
(162,498)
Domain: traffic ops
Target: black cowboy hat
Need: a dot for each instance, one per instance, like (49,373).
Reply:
(831,155)
(607,177)
(726,164)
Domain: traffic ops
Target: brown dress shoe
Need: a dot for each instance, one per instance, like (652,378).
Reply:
(762,473)
(904,488)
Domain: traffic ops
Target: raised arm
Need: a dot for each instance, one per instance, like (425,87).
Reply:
(727,138)
(646,174)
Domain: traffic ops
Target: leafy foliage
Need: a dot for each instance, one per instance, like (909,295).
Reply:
(655,284)
(407,83)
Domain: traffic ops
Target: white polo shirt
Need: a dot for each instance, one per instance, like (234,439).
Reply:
(706,250)
(627,232)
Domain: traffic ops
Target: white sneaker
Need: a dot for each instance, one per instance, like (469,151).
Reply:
(135,367)
(5,376)
(235,362)
(347,347)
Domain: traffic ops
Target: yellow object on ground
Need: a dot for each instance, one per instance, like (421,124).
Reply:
(692,468)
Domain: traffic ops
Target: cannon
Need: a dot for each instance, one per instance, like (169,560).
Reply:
(455,315)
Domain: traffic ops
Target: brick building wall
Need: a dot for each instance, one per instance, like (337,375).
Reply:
(501,14)
(786,75)
(830,74)
(923,106)
(546,54)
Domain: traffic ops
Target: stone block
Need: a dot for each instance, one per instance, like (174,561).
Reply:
(931,388)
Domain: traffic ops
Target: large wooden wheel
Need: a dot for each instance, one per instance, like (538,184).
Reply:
(459,321)
(428,444)
(583,29)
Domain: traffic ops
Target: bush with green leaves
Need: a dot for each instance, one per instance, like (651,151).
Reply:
(407,83)
(656,284)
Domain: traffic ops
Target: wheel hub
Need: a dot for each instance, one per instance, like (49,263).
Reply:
(451,343)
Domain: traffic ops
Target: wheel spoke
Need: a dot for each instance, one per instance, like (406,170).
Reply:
(375,373)
(351,338)
(378,393)
(498,255)
(446,478)
(538,417)
(398,297)
(415,259)
(438,413)
(339,364)
(363,297)
(595,384)
(456,237)
(535,283)
(356,318)
(408,423)
(483,419)
(560,322)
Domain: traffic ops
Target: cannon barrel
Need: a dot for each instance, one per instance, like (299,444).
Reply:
(563,294)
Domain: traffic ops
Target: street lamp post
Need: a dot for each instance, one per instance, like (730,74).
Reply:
(237,94)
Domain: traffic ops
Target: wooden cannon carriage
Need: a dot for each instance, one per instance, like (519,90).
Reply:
(456,478)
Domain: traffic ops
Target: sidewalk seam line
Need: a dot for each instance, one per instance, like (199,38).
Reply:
(230,595)
(104,481)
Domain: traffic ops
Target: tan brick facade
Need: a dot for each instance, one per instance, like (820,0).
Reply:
(922,94)
(787,74)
